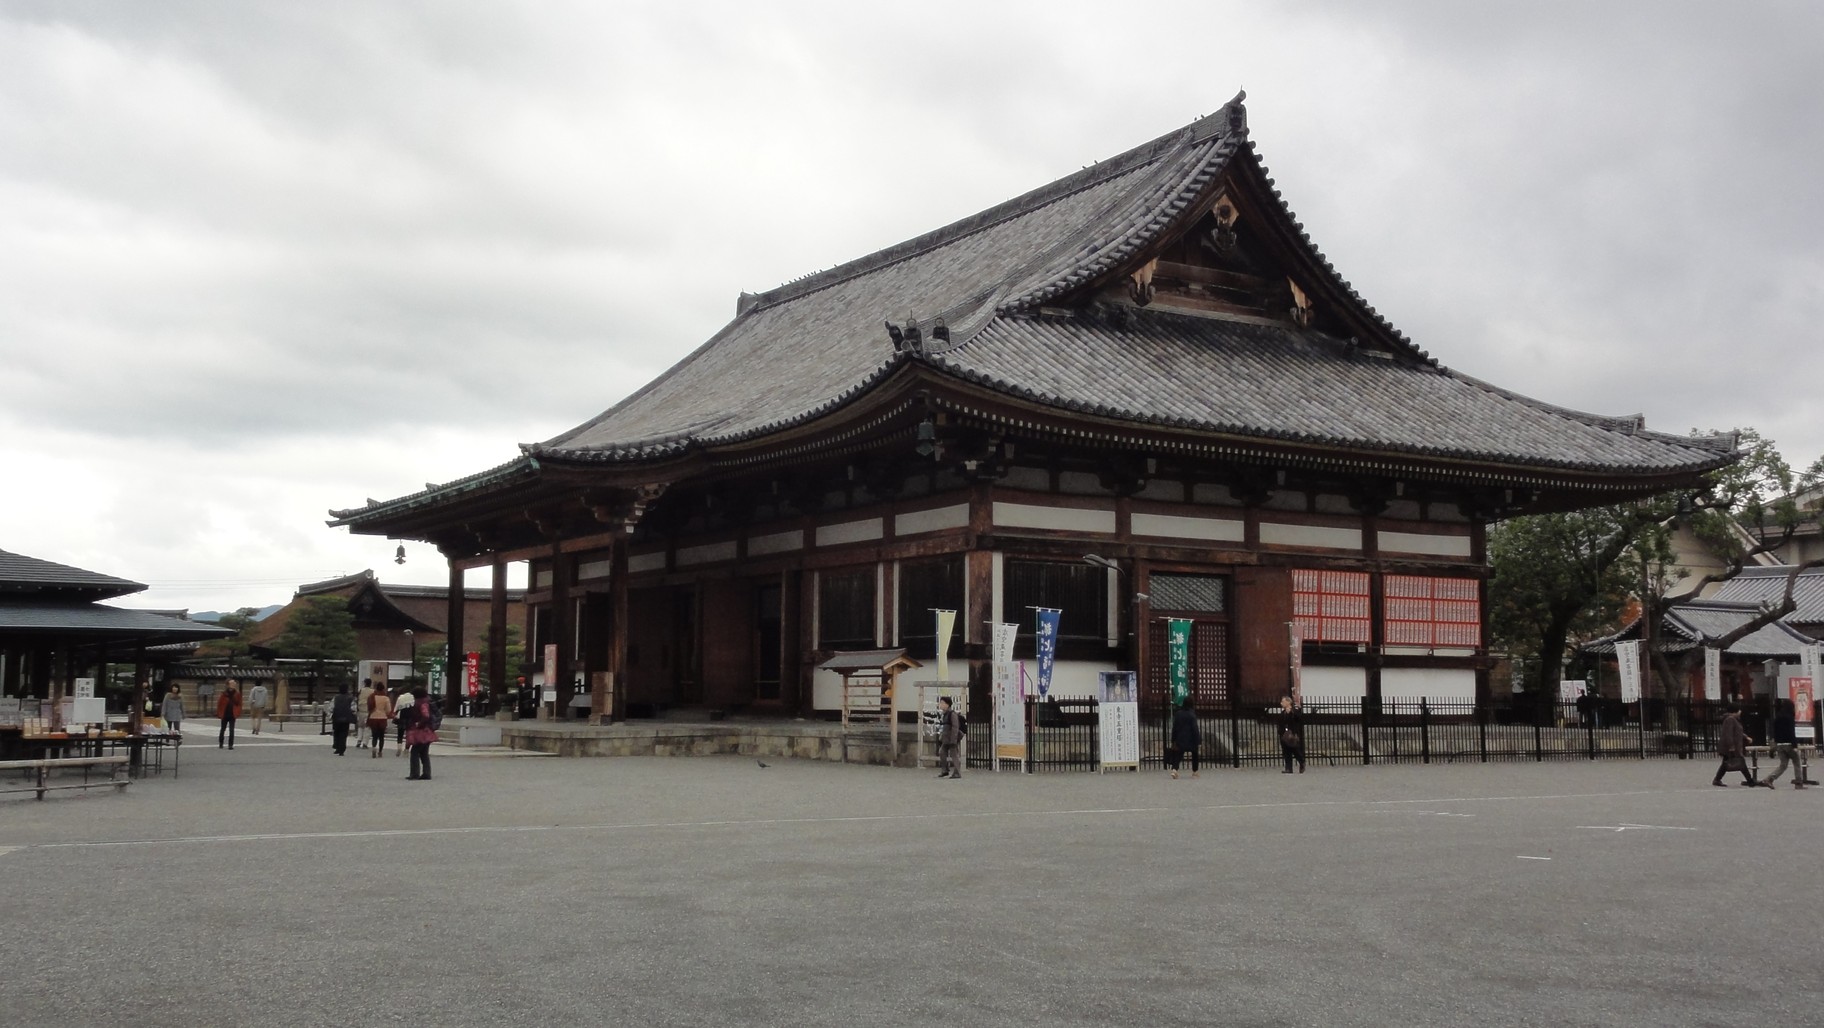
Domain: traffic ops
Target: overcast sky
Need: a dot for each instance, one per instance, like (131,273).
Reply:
(263,259)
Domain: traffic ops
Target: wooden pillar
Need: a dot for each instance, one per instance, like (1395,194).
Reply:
(497,632)
(805,671)
(613,708)
(136,716)
(457,612)
(563,630)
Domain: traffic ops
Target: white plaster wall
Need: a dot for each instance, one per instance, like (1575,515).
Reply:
(1334,683)
(933,520)
(1415,542)
(851,532)
(1402,683)
(1061,519)
(1274,533)
(777,542)
(1170,526)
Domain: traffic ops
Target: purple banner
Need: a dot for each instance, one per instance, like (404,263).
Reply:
(1047,631)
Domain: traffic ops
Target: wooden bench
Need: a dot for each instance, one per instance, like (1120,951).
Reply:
(115,763)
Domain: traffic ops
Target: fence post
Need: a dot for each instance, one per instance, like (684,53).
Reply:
(1538,739)
(1234,731)
(1640,729)
(1483,712)
(1424,730)
(1589,730)
(1367,757)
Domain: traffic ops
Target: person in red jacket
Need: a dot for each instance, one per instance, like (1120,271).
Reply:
(228,708)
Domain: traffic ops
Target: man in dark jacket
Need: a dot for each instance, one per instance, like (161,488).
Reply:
(950,739)
(1782,735)
(1187,737)
(1732,744)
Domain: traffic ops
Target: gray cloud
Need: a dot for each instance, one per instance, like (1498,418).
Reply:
(268,258)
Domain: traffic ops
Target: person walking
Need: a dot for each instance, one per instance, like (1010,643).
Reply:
(341,719)
(949,739)
(1291,736)
(256,705)
(172,710)
(1783,736)
(1187,737)
(379,714)
(401,703)
(361,705)
(420,731)
(228,708)
(1732,744)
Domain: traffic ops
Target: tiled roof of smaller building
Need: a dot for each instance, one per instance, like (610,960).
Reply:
(1700,622)
(76,617)
(1768,585)
(22,574)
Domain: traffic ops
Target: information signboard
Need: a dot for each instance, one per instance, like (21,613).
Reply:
(1802,699)
(1118,720)
(1009,712)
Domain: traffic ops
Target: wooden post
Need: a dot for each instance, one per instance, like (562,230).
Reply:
(613,708)
(456,613)
(563,630)
(497,632)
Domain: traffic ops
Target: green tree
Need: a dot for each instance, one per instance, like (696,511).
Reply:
(1560,577)
(516,656)
(237,648)
(320,629)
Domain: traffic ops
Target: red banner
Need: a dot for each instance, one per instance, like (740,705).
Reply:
(472,663)
(1801,706)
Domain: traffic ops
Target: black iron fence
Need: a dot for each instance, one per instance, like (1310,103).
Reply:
(1063,734)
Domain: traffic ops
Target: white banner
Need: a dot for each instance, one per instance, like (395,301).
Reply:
(1004,636)
(1713,674)
(1627,660)
(1570,690)
(1808,662)
(1009,711)
(946,623)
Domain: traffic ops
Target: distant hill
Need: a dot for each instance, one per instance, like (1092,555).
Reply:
(216,615)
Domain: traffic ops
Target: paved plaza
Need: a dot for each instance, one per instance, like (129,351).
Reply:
(281,885)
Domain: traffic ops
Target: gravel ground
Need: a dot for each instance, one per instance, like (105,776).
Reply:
(278,884)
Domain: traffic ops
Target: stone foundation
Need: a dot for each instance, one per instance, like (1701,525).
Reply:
(800,740)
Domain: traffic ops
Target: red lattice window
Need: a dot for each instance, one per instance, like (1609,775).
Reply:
(1331,606)
(1433,612)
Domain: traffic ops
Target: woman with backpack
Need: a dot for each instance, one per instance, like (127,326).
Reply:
(420,731)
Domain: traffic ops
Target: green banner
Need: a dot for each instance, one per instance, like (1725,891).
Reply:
(1178,656)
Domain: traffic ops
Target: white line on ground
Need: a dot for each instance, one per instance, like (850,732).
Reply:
(1624,827)
(4,850)
(834,819)
(1524,857)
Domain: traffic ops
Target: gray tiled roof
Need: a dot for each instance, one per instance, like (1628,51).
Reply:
(813,344)
(100,620)
(1768,585)
(1278,382)
(1691,625)
(19,574)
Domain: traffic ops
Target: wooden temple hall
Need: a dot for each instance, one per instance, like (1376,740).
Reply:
(1137,393)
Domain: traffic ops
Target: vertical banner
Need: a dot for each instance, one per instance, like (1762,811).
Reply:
(472,666)
(946,624)
(1178,658)
(1569,690)
(1046,627)
(1627,661)
(1808,661)
(1713,674)
(1009,712)
(1004,635)
(1296,640)
(1802,713)
(1118,720)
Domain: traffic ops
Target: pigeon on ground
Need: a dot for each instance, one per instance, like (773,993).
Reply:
(763,763)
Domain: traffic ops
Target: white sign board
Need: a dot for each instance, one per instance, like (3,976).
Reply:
(1713,673)
(1627,659)
(85,687)
(1118,720)
(1009,713)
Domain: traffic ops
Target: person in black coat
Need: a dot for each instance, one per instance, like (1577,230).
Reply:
(1186,736)
(1782,735)
(1291,735)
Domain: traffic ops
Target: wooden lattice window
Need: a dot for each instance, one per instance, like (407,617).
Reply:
(1332,606)
(1432,612)
(845,609)
(923,586)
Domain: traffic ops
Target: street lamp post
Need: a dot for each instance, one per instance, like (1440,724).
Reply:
(412,646)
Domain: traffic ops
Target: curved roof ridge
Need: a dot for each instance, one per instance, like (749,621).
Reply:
(1098,172)
(1627,424)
